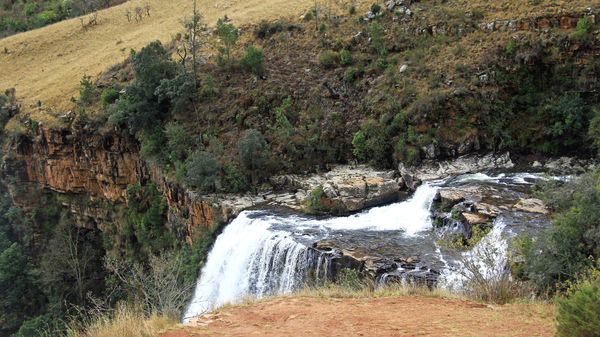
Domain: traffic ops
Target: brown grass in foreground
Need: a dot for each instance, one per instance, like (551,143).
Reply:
(123,322)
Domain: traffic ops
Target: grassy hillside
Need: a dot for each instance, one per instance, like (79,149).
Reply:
(46,64)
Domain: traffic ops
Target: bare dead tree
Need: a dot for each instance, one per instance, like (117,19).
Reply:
(139,13)
(128,14)
(69,256)
(147,8)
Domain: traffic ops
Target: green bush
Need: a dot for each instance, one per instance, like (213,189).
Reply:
(352,10)
(345,58)
(109,96)
(234,180)
(359,142)
(253,61)
(308,16)
(375,8)
(594,130)
(178,142)
(315,203)
(561,253)
(202,171)
(349,279)
(322,27)
(253,148)
(86,90)
(579,314)
(510,48)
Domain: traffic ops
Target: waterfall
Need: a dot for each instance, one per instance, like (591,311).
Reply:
(487,260)
(257,256)
(250,259)
(262,254)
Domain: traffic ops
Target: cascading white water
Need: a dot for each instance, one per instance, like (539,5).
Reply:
(259,254)
(486,261)
(252,258)
(249,259)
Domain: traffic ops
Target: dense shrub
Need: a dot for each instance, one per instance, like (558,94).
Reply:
(202,171)
(560,254)
(254,150)
(579,314)
(234,180)
(253,61)
(375,8)
(109,96)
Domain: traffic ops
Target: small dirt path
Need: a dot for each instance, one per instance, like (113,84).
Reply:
(391,316)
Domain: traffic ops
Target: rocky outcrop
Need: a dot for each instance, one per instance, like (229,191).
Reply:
(531,206)
(433,169)
(350,187)
(378,269)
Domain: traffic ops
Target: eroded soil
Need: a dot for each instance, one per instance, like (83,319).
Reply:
(391,316)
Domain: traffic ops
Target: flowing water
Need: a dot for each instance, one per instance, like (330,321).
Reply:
(265,252)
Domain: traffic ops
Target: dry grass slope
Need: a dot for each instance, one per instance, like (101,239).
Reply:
(47,64)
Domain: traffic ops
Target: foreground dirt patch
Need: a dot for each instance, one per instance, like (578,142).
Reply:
(394,316)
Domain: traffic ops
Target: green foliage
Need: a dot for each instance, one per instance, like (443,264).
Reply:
(16,290)
(144,107)
(376,40)
(582,31)
(567,120)
(359,142)
(579,314)
(371,143)
(253,61)
(178,90)
(352,10)
(254,150)
(561,253)
(229,35)
(350,279)
(152,65)
(594,130)
(285,129)
(322,27)
(146,221)
(109,96)
(234,179)
(178,142)
(511,47)
(345,58)
(308,16)
(375,8)
(86,90)
(202,171)
(315,204)
(152,144)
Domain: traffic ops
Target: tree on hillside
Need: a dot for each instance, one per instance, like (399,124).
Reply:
(195,37)
(228,34)
(253,148)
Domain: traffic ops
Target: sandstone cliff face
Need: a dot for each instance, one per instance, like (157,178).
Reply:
(94,171)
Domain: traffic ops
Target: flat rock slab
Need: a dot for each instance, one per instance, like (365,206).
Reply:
(531,206)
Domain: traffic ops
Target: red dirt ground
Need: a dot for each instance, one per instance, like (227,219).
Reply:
(390,316)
